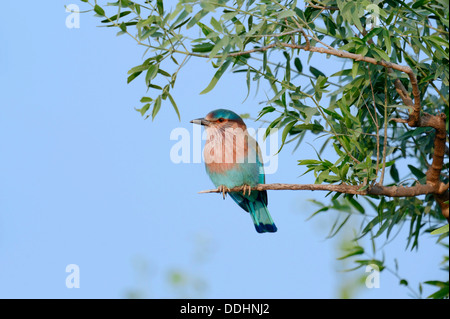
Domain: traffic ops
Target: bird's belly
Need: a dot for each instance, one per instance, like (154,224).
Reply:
(233,175)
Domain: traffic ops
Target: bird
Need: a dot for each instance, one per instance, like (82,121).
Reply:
(233,158)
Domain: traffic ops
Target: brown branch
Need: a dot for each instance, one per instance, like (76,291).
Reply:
(392,191)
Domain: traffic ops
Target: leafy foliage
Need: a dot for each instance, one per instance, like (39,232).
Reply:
(350,110)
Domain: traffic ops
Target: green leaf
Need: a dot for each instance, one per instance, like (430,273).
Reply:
(160,6)
(114,17)
(316,72)
(207,6)
(394,173)
(286,131)
(417,172)
(314,128)
(156,107)
(420,3)
(219,45)
(175,107)
(298,65)
(144,109)
(371,34)
(229,15)
(145,99)
(442,293)
(196,18)
(265,110)
(154,86)
(151,73)
(133,76)
(216,25)
(165,73)
(404,282)
(99,10)
(138,68)
(203,47)
(217,76)
(355,68)
(380,53)
(358,250)
(387,41)
(441,230)
(285,14)
(363,188)
(335,228)
(309,161)
(355,204)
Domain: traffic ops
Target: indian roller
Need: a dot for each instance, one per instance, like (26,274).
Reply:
(232,159)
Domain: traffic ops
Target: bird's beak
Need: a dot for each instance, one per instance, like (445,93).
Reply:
(201,121)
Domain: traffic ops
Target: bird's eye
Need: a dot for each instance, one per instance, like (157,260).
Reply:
(221,120)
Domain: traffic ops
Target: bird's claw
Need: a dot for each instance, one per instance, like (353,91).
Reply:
(247,188)
(224,190)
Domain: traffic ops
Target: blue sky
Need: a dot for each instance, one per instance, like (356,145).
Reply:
(85,180)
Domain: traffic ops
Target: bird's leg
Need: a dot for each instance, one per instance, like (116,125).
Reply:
(224,190)
(247,188)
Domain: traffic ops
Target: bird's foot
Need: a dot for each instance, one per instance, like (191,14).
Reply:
(247,188)
(224,190)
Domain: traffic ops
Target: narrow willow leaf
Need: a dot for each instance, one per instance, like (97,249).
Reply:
(248,81)
(288,67)
(336,228)
(380,53)
(316,72)
(265,110)
(358,250)
(196,18)
(219,45)
(203,47)
(151,73)
(285,14)
(175,107)
(417,172)
(133,76)
(441,230)
(114,17)
(286,131)
(144,109)
(216,25)
(156,107)
(154,86)
(355,68)
(387,41)
(217,76)
(160,6)
(356,204)
(229,15)
(145,99)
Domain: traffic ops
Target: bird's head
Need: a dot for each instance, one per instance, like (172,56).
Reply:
(221,119)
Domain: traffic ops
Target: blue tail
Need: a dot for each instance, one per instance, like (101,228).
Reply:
(256,205)
(261,217)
